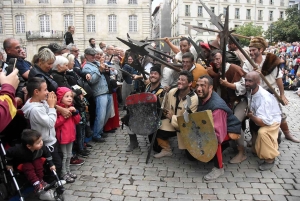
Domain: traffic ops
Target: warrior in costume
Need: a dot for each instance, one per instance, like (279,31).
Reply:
(265,113)
(268,65)
(224,120)
(154,87)
(231,90)
(174,107)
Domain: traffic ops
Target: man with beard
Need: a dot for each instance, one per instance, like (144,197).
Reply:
(224,120)
(268,65)
(188,64)
(92,43)
(266,115)
(155,88)
(174,107)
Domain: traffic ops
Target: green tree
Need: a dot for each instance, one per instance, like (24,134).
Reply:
(248,29)
(285,30)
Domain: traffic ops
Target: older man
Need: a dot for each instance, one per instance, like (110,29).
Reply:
(266,115)
(75,51)
(268,65)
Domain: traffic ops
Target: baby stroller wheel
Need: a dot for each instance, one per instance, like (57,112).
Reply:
(3,192)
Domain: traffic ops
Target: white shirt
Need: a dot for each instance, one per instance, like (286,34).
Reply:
(271,78)
(192,50)
(265,106)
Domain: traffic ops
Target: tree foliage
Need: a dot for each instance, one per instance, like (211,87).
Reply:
(248,29)
(286,30)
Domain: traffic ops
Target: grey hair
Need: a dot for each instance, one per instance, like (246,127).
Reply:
(60,60)
(45,55)
(69,56)
(70,46)
(108,46)
(99,50)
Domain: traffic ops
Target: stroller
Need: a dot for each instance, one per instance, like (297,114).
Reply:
(10,180)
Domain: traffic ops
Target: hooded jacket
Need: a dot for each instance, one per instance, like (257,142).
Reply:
(42,119)
(65,128)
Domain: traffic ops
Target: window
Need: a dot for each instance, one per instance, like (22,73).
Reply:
(248,14)
(90,1)
(20,24)
(224,11)
(44,23)
(187,10)
(260,1)
(271,2)
(186,31)
(237,1)
(1,26)
(132,2)
(212,9)
(133,23)
(281,2)
(43,1)
(112,23)
(200,25)
(18,1)
(67,1)
(111,1)
(260,14)
(200,11)
(68,21)
(271,15)
(91,24)
(281,14)
(237,13)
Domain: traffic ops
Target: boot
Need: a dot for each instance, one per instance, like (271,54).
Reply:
(166,148)
(253,140)
(133,143)
(240,157)
(279,137)
(285,129)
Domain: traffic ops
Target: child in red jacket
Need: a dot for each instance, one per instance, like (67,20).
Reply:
(66,131)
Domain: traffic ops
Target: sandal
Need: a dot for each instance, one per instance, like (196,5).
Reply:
(68,179)
(72,175)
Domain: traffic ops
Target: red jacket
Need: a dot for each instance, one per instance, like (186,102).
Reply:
(65,128)
(8,105)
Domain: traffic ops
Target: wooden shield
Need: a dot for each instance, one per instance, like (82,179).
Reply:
(143,117)
(199,135)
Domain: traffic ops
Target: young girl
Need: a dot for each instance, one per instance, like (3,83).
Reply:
(66,131)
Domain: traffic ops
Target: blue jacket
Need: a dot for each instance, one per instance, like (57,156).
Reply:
(98,82)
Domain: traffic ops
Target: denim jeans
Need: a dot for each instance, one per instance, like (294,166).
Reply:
(103,113)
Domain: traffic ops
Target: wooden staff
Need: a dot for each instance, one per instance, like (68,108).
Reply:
(158,39)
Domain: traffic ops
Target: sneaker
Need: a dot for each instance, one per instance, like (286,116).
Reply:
(266,166)
(47,195)
(88,146)
(68,179)
(214,174)
(72,175)
(86,151)
(38,188)
(76,161)
(98,140)
(46,185)
(163,153)
(82,153)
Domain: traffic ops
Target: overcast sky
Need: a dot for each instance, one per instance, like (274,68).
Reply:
(155,3)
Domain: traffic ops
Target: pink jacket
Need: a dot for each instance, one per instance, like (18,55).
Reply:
(65,128)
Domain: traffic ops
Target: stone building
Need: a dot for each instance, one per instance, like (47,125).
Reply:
(260,12)
(38,22)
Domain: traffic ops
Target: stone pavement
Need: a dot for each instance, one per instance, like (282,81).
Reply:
(110,173)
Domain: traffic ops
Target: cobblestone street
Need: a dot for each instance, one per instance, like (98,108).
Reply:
(110,173)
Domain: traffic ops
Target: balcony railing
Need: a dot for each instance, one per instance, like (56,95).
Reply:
(37,35)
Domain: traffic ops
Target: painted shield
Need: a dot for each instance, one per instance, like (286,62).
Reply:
(198,135)
(143,117)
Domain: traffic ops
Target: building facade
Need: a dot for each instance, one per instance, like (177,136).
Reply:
(38,22)
(161,24)
(260,12)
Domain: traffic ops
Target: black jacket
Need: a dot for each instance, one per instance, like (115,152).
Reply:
(60,79)
(21,154)
(37,72)
(68,38)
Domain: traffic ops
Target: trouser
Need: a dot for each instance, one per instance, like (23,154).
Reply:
(56,158)
(239,112)
(67,154)
(266,145)
(103,112)
(34,170)
(218,158)
(80,135)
